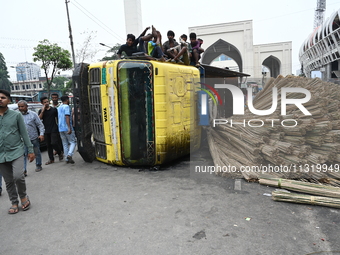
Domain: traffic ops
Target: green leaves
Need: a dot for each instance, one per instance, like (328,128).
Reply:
(4,82)
(113,51)
(53,58)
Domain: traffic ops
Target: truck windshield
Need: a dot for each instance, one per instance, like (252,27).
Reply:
(135,85)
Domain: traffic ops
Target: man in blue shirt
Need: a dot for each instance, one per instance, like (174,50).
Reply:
(33,125)
(66,131)
(13,139)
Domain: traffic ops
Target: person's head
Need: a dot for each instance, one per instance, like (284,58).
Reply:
(22,105)
(192,37)
(55,98)
(5,98)
(184,37)
(65,99)
(200,41)
(45,102)
(170,35)
(130,39)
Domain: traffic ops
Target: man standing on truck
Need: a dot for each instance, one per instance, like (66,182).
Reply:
(66,129)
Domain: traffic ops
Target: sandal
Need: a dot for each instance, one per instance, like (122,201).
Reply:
(49,162)
(14,209)
(26,205)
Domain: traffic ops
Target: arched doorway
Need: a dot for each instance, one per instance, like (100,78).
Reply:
(273,64)
(220,48)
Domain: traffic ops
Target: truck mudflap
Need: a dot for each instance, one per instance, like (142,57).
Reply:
(82,112)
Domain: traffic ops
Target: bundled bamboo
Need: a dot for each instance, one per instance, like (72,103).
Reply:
(277,136)
(270,151)
(314,140)
(316,158)
(292,139)
(335,124)
(303,187)
(305,199)
(293,160)
(287,148)
(329,156)
(335,133)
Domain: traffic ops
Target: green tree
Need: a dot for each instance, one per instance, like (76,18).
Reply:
(53,59)
(4,82)
(59,84)
(113,51)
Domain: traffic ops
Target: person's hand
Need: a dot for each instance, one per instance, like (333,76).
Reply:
(69,131)
(31,157)
(41,138)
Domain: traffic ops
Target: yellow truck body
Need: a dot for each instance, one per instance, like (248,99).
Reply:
(143,112)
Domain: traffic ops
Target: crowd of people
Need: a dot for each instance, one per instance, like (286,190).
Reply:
(150,45)
(20,135)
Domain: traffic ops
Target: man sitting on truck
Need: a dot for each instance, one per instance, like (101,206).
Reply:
(196,49)
(155,45)
(131,44)
(183,51)
(169,47)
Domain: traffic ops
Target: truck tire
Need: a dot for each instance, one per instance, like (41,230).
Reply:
(82,112)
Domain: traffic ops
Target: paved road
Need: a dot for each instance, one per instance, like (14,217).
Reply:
(101,209)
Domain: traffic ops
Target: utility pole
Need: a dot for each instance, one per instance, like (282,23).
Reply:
(70,30)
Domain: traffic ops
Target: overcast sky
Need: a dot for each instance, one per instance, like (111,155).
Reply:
(25,23)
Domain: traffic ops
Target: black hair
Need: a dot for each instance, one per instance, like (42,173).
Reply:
(170,33)
(184,36)
(6,93)
(42,99)
(55,94)
(192,36)
(131,36)
(64,98)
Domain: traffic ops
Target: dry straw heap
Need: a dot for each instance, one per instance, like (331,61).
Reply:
(309,151)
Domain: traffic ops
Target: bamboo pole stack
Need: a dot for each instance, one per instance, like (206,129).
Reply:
(297,146)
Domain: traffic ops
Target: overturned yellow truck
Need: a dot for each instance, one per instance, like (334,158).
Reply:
(140,112)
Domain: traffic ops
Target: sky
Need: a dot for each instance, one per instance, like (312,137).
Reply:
(25,23)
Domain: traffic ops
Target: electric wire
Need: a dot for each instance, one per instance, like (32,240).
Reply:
(95,19)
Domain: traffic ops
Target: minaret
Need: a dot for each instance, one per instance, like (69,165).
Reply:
(133,17)
(319,13)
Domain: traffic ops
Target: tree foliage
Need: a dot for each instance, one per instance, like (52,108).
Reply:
(53,59)
(4,81)
(113,51)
